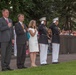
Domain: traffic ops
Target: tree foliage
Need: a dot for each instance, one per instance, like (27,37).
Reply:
(35,9)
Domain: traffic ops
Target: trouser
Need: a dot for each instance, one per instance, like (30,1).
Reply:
(21,55)
(15,45)
(15,49)
(43,53)
(55,52)
(6,51)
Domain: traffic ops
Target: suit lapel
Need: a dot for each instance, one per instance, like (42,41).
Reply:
(4,20)
(9,20)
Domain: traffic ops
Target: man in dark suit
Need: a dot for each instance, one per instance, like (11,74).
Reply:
(6,39)
(21,40)
(55,40)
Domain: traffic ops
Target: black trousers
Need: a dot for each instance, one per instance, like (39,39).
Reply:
(6,51)
(21,55)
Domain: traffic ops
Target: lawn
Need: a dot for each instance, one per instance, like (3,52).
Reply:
(66,68)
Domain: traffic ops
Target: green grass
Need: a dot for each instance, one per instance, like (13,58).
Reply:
(67,68)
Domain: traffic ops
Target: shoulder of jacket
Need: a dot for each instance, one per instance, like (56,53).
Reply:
(16,24)
(1,18)
(10,19)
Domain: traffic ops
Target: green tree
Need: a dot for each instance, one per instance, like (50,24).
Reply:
(66,10)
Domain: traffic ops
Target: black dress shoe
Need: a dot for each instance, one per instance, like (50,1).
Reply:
(46,64)
(4,69)
(43,64)
(9,69)
(55,63)
(24,67)
(19,67)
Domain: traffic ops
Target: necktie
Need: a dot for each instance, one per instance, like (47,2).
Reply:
(7,21)
(23,26)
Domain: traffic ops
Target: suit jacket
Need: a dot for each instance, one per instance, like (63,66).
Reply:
(21,35)
(55,33)
(6,33)
(43,39)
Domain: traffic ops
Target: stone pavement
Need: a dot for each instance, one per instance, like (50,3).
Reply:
(62,58)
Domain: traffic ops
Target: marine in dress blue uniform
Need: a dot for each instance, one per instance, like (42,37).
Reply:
(55,40)
(43,41)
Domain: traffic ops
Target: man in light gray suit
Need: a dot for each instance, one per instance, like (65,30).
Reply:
(6,39)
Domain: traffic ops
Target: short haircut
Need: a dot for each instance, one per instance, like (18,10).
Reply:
(4,10)
(20,15)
